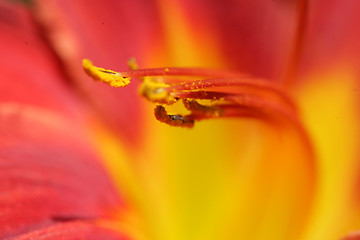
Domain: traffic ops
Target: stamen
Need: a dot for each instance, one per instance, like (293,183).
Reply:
(110,77)
(156,91)
(233,94)
(251,83)
(172,120)
(209,111)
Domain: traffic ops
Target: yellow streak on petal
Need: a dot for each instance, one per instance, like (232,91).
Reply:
(215,182)
(119,162)
(189,43)
(110,77)
(330,107)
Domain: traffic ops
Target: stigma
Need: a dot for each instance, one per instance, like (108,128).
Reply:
(204,93)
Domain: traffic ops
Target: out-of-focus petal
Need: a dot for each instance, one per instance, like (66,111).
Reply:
(330,102)
(72,231)
(328,95)
(352,236)
(252,36)
(49,170)
(207,183)
(29,73)
(332,37)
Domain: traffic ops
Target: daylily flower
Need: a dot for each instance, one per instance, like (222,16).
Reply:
(268,88)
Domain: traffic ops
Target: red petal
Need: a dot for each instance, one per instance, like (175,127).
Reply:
(255,35)
(333,35)
(47,172)
(48,169)
(352,236)
(28,70)
(72,231)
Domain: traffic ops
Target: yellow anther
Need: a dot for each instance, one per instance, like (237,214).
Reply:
(110,77)
(172,120)
(156,91)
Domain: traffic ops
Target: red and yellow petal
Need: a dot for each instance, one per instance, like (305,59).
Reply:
(330,107)
(50,171)
(252,36)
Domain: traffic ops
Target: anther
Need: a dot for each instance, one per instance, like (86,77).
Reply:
(156,91)
(172,120)
(197,108)
(110,77)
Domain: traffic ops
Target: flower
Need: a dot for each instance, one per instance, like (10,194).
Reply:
(82,160)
